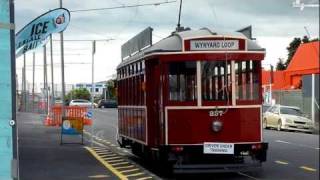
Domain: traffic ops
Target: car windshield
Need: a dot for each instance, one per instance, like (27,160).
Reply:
(265,108)
(290,111)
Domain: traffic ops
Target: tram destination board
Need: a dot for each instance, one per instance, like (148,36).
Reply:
(218,148)
(197,45)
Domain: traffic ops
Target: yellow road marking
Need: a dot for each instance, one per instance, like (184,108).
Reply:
(137,174)
(106,164)
(112,161)
(129,170)
(98,176)
(281,162)
(149,177)
(124,167)
(120,163)
(308,168)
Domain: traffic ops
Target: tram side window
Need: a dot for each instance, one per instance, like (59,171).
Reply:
(216,80)
(182,81)
(247,80)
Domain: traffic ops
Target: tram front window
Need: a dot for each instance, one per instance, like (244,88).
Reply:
(182,81)
(247,80)
(216,80)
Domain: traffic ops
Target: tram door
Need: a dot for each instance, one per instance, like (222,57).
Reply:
(153,100)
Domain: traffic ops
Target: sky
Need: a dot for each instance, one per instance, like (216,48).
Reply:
(275,23)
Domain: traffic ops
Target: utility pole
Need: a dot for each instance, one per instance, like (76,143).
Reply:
(52,78)
(313,99)
(24,85)
(62,69)
(92,88)
(178,25)
(33,77)
(45,80)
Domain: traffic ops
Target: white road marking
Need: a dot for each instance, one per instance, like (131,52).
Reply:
(243,174)
(281,162)
(301,145)
(308,168)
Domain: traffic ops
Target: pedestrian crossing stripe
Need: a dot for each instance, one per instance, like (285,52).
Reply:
(120,163)
(136,174)
(129,170)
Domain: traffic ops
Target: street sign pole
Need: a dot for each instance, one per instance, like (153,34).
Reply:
(92,88)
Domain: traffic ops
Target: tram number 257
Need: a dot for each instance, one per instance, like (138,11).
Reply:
(215,113)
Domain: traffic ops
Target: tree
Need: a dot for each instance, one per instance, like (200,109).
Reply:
(293,46)
(305,39)
(111,89)
(280,65)
(80,93)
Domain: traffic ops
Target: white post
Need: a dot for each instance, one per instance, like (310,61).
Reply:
(313,98)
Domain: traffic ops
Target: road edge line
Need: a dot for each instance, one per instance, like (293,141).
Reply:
(107,165)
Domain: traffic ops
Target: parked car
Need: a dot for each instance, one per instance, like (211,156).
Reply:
(288,118)
(109,103)
(80,102)
(265,108)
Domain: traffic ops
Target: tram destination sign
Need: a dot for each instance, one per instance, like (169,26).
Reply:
(214,45)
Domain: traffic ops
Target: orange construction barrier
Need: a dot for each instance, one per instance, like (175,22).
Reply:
(71,112)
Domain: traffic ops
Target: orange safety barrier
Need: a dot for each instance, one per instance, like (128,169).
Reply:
(71,112)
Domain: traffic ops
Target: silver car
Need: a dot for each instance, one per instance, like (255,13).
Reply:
(80,102)
(288,118)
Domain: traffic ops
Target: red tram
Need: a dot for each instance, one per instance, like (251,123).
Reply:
(193,100)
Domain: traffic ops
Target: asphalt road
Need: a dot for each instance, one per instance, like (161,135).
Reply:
(291,155)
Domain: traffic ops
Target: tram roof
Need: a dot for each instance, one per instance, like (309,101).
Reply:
(173,43)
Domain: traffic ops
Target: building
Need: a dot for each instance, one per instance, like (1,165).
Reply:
(304,62)
(298,85)
(99,87)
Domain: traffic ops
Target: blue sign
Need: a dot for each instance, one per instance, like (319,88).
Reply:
(89,114)
(36,33)
(72,126)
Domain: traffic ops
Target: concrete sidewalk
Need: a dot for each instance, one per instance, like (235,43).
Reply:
(42,157)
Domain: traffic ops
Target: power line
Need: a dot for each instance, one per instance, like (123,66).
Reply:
(123,6)
(85,40)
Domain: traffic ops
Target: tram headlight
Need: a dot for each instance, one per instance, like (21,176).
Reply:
(217,125)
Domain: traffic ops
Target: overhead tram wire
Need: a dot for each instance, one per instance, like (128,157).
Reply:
(123,6)
(85,40)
